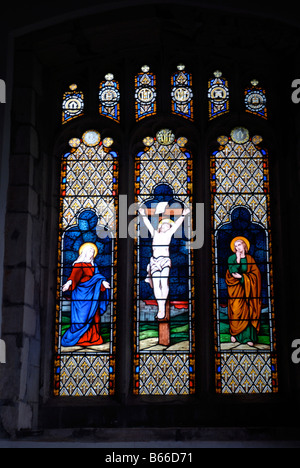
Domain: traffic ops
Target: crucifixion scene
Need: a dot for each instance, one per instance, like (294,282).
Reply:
(164,283)
(160,263)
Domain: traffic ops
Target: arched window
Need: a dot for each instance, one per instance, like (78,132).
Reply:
(60,187)
(164,291)
(145,93)
(182,94)
(245,342)
(73,104)
(164,286)
(86,287)
(218,96)
(2,92)
(109,98)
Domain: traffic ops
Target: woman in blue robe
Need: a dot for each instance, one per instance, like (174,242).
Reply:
(90,297)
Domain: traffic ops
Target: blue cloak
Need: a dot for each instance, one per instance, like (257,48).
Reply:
(87,298)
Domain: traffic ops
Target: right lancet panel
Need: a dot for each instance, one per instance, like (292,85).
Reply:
(245,342)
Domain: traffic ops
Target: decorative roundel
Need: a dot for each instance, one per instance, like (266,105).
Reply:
(109,77)
(218,93)
(74,142)
(107,142)
(165,137)
(222,140)
(109,96)
(255,101)
(240,135)
(91,138)
(73,105)
(148,141)
(257,139)
(183,95)
(182,141)
(146,95)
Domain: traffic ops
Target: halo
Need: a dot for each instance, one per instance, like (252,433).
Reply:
(239,238)
(89,244)
(165,221)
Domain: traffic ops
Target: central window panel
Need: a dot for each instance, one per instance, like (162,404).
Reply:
(164,273)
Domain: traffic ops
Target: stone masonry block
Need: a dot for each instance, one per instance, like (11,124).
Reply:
(21,169)
(23,199)
(18,286)
(24,106)
(26,141)
(18,232)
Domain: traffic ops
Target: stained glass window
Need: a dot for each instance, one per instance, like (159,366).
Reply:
(73,104)
(164,277)
(245,343)
(182,94)
(109,98)
(218,96)
(86,282)
(145,93)
(255,100)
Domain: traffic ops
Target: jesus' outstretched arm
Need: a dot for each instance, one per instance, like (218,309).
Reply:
(149,226)
(179,221)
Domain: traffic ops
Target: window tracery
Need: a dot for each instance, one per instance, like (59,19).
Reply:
(245,343)
(73,104)
(182,94)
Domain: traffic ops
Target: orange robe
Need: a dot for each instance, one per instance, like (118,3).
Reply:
(244,303)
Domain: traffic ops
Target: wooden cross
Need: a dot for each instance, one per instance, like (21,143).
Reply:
(169,212)
(164,328)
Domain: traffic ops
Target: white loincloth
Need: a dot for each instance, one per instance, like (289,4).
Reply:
(155,265)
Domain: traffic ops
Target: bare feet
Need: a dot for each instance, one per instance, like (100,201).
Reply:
(250,343)
(233,339)
(160,315)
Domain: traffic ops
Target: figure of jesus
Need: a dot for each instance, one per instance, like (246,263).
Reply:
(160,264)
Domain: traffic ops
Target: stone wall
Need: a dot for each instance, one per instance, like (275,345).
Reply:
(19,378)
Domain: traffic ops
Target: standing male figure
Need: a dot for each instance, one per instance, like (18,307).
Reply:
(160,263)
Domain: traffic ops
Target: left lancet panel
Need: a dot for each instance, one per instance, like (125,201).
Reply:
(86,280)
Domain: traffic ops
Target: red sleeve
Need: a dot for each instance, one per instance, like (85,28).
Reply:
(76,276)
